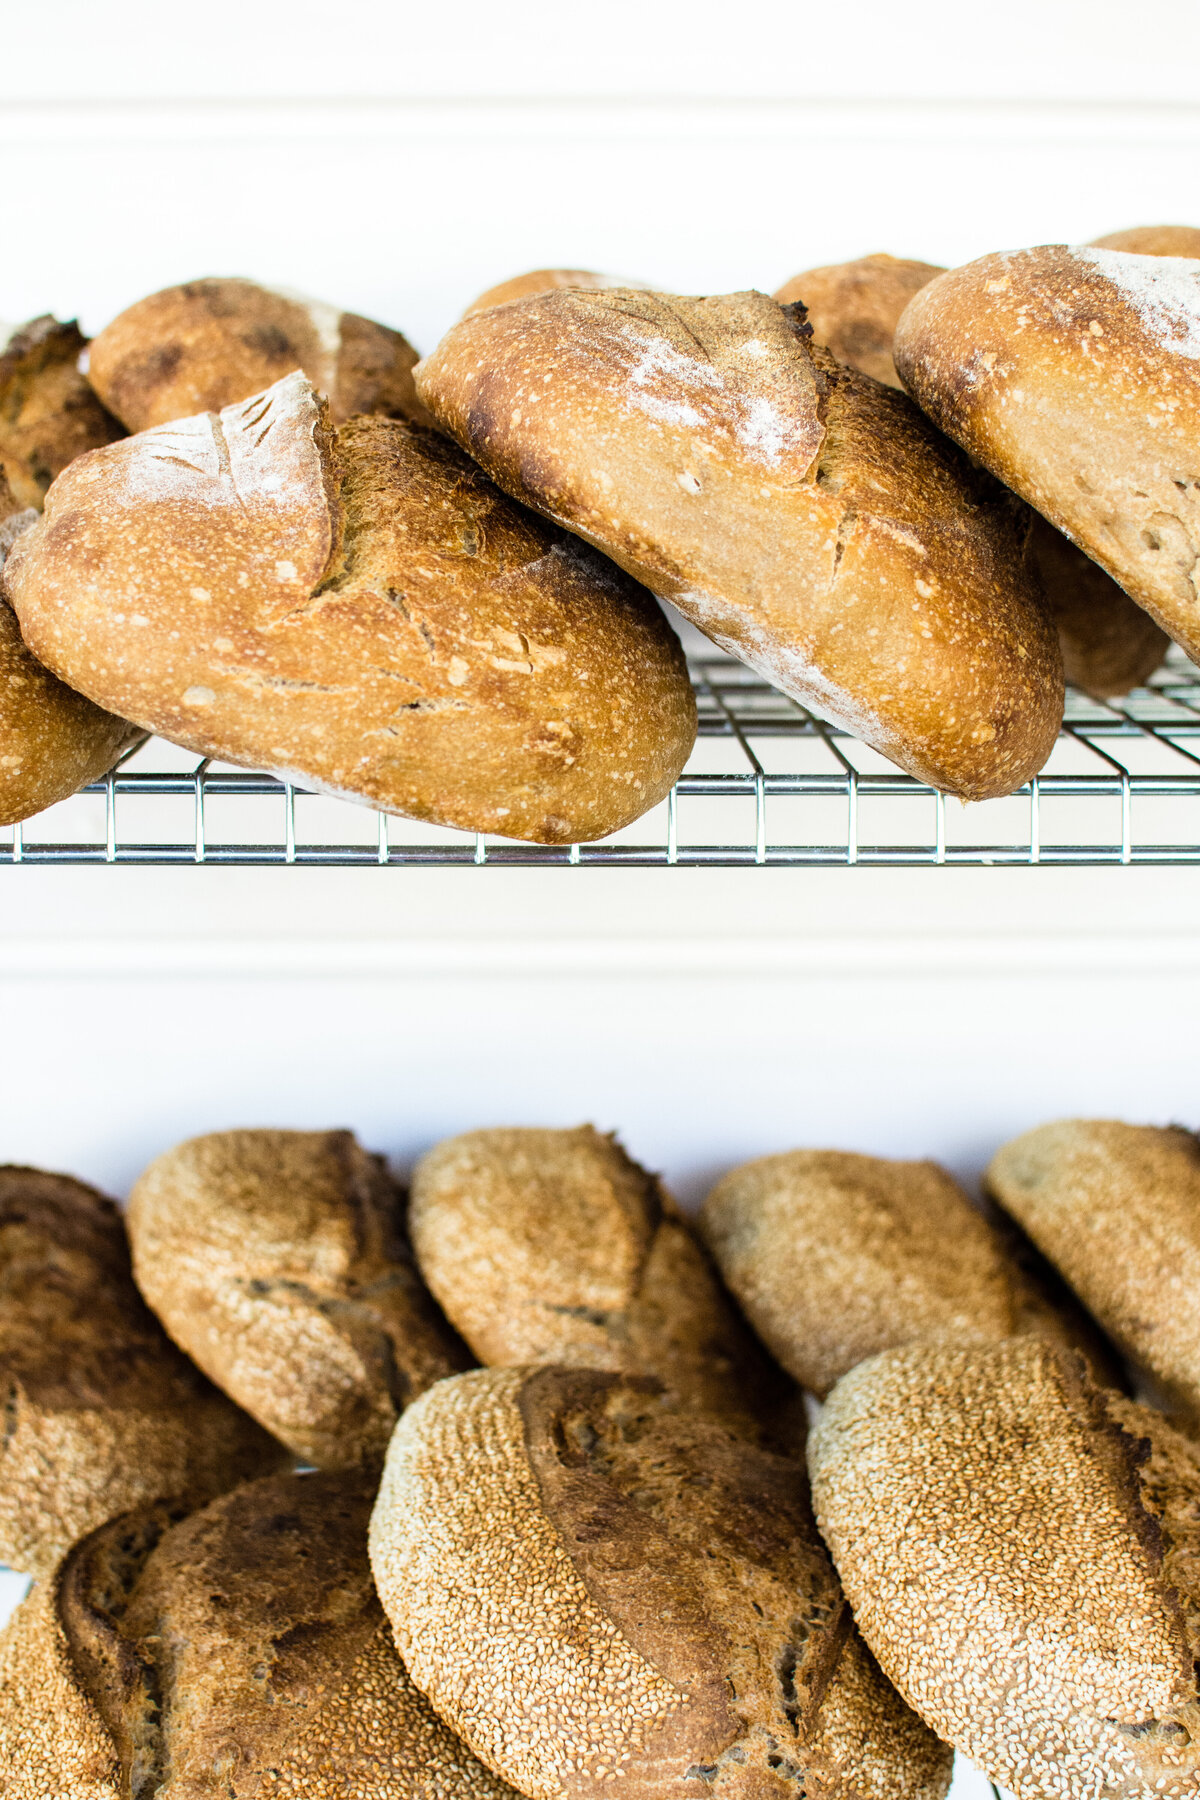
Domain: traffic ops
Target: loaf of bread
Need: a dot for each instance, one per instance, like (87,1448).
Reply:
(556,1247)
(241,1652)
(1116,1208)
(48,413)
(1153,240)
(803,516)
(543,281)
(361,611)
(279,1260)
(204,345)
(605,1597)
(101,1412)
(1074,375)
(1020,1550)
(834,1256)
(853,307)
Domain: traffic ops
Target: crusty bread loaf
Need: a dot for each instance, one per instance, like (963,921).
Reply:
(834,1256)
(555,1246)
(804,516)
(605,1597)
(1153,240)
(853,307)
(543,281)
(363,612)
(1021,1551)
(1116,1208)
(280,1261)
(48,413)
(241,1652)
(205,345)
(1074,375)
(101,1412)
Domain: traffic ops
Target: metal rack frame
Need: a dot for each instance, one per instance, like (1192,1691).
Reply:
(854,801)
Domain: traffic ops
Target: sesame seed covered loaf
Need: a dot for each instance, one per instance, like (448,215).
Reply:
(602,1595)
(802,515)
(101,1410)
(239,1652)
(1021,1552)
(280,1261)
(365,613)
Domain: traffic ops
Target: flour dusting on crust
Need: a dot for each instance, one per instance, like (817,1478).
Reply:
(1164,291)
(662,375)
(326,322)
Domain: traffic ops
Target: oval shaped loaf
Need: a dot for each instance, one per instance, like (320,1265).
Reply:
(48,413)
(240,1651)
(1153,240)
(1074,375)
(543,281)
(804,517)
(1116,1208)
(205,345)
(555,1246)
(603,1596)
(101,1411)
(280,1261)
(834,1256)
(364,613)
(1020,1549)
(853,307)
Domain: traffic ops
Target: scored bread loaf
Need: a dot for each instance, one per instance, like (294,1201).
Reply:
(239,1652)
(204,345)
(853,307)
(361,611)
(1020,1550)
(543,281)
(555,1246)
(101,1411)
(1074,375)
(1153,240)
(1116,1209)
(803,516)
(834,1256)
(280,1261)
(604,1596)
(48,413)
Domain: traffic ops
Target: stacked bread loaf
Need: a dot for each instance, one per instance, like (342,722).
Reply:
(596,1561)
(259,541)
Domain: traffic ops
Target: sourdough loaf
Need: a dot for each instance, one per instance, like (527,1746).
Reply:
(48,413)
(241,1652)
(203,345)
(1153,240)
(605,1597)
(280,1261)
(101,1411)
(805,517)
(1021,1551)
(853,307)
(361,611)
(543,281)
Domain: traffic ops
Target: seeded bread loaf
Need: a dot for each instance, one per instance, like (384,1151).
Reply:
(605,1597)
(853,307)
(365,613)
(204,345)
(101,1411)
(556,1247)
(241,1652)
(48,413)
(1021,1550)
(543,281)
(280,1261)
(803,516)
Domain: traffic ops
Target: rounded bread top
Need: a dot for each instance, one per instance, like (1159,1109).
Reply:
(1153,240)
(853,307)
(1019,1549)
(48,413)
(205,345)
(543,281)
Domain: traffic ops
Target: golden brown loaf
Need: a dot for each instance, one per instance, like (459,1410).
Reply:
(101,1412)
(279,1260)
(604,1597)
(834,1256)
(543,281)
(853,307)
(204,345)
(361,611)
(241,1652)
(1116,1208)
(1074,375)
(803,516)
(1020,1549)
(48,413)
(1153,240)
(555,1246)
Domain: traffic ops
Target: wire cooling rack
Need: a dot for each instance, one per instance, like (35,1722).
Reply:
(769,783)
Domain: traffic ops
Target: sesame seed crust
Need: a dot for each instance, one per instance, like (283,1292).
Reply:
(1000,1529)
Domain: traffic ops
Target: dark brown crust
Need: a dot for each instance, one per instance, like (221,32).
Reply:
(48,413)
(853,307)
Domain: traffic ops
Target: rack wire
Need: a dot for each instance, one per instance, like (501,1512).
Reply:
(768,784)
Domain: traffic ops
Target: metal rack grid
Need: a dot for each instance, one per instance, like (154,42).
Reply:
(769,783)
